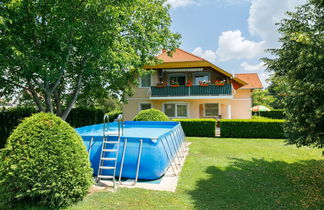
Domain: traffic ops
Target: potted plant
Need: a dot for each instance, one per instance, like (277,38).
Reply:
(189,83)
(161,84)
(174,83)
(204,83)
(220,82)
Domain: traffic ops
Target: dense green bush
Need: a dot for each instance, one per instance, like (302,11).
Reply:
(254,128)
(198,127)
(78,117)
(82,116)
(114,115)
(257,117)
(273,114)
(151,115)
(9,119)
(44,161)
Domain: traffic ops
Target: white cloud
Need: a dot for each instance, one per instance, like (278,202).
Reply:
(264,77)
(232,45)
(264,14)
(249,67)
(180,3)
(206,54)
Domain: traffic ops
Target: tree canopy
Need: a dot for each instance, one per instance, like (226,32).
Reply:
(299,62)
(262,97)
(56,50)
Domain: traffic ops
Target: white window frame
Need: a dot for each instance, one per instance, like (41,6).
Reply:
(140,82)
(219,109)
(199,74)
(140,103)
(177,75)
(177,103)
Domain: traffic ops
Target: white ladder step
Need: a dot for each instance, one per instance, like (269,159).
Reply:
(110,150)
(107,167)
(110,142)
(105,177)
(108,158)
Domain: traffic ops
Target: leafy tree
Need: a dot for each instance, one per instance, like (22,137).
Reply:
(278,89)
(104,100)
(262,97)
(300,61)
(55,50)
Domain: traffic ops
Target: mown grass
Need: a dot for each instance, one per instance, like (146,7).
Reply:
(230,174)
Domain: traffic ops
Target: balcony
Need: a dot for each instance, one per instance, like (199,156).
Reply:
(194,91)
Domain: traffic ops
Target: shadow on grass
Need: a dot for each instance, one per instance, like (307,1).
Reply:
(261,184)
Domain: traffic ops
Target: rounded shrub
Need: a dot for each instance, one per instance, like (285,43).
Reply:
(151,115)
(44,162)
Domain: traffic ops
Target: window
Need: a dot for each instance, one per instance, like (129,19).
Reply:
(176,110)
(200,78)
(181,110)
(180,78)
(144,106)
(211,110)
(146,81)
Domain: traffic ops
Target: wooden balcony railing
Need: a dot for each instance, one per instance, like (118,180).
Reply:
(195,90)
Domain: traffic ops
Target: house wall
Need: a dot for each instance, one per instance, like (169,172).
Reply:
(240,104)
(239,107)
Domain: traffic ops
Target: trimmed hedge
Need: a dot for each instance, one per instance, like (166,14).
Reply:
(198,127)
(82,116)
(9,119)
(78,117)
(273,114)
(151,115)
(252,128)
(44,161)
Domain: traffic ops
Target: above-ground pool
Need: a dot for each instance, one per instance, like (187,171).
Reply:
(160,143)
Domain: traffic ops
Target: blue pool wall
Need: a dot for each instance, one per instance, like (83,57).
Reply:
(154,160)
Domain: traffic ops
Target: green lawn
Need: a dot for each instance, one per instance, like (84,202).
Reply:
(231,174)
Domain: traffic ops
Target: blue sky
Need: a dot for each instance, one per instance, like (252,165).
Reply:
(232,34)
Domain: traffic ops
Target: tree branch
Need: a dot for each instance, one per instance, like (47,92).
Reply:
(35,96)
(57,82)
(14,83)
(76,90)
(74,97)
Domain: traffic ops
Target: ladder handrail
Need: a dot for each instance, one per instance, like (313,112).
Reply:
(138,160)
(122,161)
(105,122)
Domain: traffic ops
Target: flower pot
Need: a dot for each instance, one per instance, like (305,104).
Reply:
(188,85)
(175,85)
(160,86)
(220,84)
(204,85)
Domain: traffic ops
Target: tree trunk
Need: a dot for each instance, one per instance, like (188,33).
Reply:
(48,102)
(74,98)
(57,103)
(35,97)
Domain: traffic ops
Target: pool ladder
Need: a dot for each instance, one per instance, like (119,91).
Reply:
(106,151)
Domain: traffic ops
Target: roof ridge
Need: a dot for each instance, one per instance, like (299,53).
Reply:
(248,73)
(191,54)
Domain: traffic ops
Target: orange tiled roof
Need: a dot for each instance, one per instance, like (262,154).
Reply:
(252,79)
(183,59)
(179,56)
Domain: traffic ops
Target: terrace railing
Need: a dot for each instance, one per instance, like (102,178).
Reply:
(195,90)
